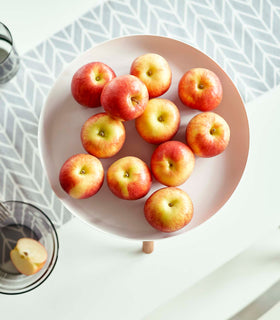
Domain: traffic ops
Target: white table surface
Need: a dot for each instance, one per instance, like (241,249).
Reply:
(100,277)
(33,21)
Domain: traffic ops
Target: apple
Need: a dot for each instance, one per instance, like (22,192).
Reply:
(129,178)
(88,82)
(168,209)
(200,89)
(81,176)
(29,256)
(172,163)
(102,136)
(154,71)
(207,134)
(159,122)
(125,97)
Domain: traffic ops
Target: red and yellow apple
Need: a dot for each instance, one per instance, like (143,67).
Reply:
(154,71)
(168,209)
(129,178)
(125,97)
(89,81)
(159,122)
(29,256)
(81,176)
(207,134)
(200,89)
(172,163)
(102,136)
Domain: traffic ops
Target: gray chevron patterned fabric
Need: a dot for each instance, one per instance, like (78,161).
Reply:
(243,37)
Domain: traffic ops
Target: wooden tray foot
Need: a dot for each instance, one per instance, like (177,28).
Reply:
(148,246)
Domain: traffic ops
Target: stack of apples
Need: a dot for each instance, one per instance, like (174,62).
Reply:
(135,96)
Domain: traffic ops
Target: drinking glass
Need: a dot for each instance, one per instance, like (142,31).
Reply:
(9,59)
(23,220)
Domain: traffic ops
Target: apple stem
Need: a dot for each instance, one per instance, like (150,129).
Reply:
(148,246)
(212,131)
(200,86)
(134,100)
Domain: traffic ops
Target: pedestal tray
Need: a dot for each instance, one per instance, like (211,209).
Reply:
(213,180)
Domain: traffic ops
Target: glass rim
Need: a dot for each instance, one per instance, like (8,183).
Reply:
(12,42)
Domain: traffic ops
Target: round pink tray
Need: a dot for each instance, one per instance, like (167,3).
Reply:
(213,180)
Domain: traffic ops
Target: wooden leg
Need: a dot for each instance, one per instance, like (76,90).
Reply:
(148,246)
